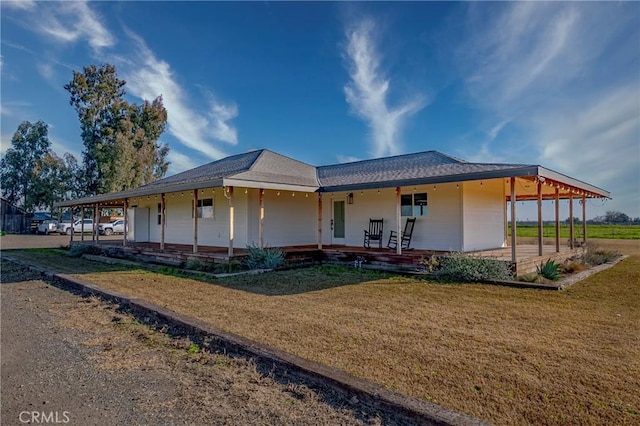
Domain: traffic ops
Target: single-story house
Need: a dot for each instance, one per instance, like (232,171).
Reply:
(266,199)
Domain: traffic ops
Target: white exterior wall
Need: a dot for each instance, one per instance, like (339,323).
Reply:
(483,214)
(440,229)
(288,220)
(211,232)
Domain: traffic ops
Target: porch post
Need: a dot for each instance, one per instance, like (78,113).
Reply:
(125,206)
(261,222)
(81,224)
(584,219)
(71,239)
(96,222)
(505,218)
(163,220)
(195,220)
(571,236)
(514,227)
(398,220)
(540,224)
(231,220)
(319,220)
(557,201)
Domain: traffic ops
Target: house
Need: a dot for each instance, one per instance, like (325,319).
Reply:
(267,199)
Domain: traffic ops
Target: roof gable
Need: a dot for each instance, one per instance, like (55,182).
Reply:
(271,167)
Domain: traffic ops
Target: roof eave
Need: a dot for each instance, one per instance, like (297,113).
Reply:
(493,174)
(139,192)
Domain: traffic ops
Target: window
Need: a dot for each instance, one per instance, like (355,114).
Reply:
(159,213)
(205,208)
(413,204)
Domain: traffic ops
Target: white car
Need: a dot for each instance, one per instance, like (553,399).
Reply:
(65,228)
(47,226)
(115,227)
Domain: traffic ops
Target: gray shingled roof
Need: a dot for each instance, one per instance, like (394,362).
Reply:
(260,167)
(402,169)
(212,171)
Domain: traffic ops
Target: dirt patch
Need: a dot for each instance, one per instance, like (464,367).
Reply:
(85,358)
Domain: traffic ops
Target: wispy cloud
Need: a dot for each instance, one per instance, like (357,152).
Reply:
(561,74)
(180,162)
(598,141)
(72,21)
(21,4)
(147,77)
(347,159)
(368,90)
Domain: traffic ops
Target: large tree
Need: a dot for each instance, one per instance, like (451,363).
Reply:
(33,176)
(121,148)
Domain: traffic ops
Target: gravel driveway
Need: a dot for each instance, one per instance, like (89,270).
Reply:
(80,361)
(22,241)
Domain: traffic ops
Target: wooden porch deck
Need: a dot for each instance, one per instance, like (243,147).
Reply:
(526,254)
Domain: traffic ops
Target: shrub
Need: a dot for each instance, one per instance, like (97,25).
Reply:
(78,250)
(462,267)
(193,265)
(227,268)
(549,270)
(595,256)
(429,264)
(572,267)
(263,258)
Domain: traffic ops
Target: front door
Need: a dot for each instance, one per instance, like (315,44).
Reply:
(337,223)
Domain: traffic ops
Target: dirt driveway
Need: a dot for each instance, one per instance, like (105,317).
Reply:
(78,361)
(22,241)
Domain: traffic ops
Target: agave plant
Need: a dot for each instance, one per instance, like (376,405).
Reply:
(549,270)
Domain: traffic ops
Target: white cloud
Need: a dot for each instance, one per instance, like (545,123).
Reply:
(21,5)
(46,70)
(179,162)
(367,92)
(347,158)
(147,77)
(561,75)
(69,22)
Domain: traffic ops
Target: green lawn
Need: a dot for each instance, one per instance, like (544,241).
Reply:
(625,232)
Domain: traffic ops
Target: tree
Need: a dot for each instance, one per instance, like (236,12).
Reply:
(29,144)
(121,148)
(32,175)
(616,217)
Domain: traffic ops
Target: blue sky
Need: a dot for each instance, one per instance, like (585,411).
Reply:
(556,84)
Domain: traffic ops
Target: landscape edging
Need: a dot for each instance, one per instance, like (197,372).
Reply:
(359,390)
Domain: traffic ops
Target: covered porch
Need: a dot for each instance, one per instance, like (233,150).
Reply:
(528,257)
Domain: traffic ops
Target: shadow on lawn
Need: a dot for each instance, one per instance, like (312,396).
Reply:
(300,280)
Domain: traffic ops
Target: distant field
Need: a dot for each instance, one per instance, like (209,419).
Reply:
(625,232)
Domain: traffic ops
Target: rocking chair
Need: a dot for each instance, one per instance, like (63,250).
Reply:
(374,233)
(405,238)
